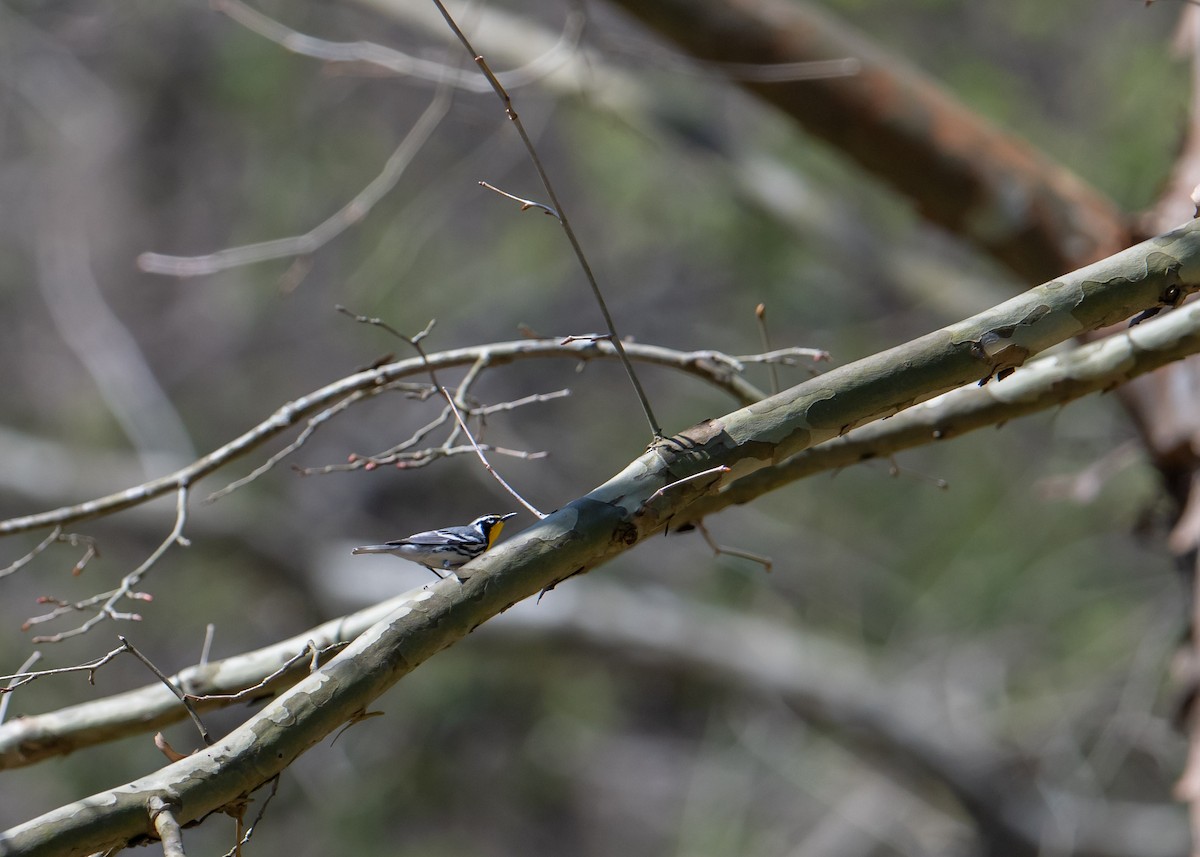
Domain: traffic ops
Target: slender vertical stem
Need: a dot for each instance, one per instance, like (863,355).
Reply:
(561,214)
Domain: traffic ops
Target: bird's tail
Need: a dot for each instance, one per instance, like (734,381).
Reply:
(374,549)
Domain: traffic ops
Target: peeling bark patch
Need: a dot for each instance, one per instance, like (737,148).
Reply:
(625,533)
(1001,348)
(824,413)
(698,435)
(699,447)
(1170,268)
(588,509)
(695,443)
(1173,292)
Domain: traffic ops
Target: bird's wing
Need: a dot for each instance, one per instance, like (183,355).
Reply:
(432,537)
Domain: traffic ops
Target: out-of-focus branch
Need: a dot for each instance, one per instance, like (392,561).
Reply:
(381,56)
(325,231)
(875,714)
(103,606)
(962,172)
(825,683)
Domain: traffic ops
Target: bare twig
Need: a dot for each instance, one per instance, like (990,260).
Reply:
(392,60)
(162,815)
(416,459)
(488,465)
(310,652)
(533,398)
(526,204)
(299,245)
(245,834)
(22,678)
(760,315)
(313,424)
(785,356)
(717,471)
(415,343)
(209,632)
(561,214)
(21,562)
(33,658)
(764,561)
(187,704)
(108,600)
(404,456)
(227,681)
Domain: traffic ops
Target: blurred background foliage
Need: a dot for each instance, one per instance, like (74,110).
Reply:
(1040,613)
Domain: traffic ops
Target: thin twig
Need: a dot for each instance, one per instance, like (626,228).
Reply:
(786,356)
(93,550)
(33,658)
(392,60)
(717,549)
(309,652)
(526,204)
(162,816)
(717,471)
(243,838)
(108,600)
(487,465)
(415,342)
(210,631)
(204,736)
(532,398)
(760,314)
(460,396)
(22,678)
(320,235)
(416,459)
(561,215)
(21,562)
(313,424)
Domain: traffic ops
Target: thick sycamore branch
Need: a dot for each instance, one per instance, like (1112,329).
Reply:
(634,504)
(1047,382)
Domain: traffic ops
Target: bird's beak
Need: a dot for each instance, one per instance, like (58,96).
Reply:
(509,515)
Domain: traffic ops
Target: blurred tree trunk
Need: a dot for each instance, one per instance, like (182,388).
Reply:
(976,181)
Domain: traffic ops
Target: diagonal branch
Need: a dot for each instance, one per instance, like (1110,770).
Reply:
(612,519)
(963,173)
(314,239)
(1045,383)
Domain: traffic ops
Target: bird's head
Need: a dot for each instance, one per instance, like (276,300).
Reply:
(491,525)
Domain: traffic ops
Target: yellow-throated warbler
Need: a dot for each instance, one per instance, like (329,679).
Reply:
(447,548)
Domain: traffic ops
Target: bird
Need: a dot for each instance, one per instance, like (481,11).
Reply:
(447,548)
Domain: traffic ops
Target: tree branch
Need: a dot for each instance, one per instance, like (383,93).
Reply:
(962,172)
(705,365)
(1045,383)
(610,520)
